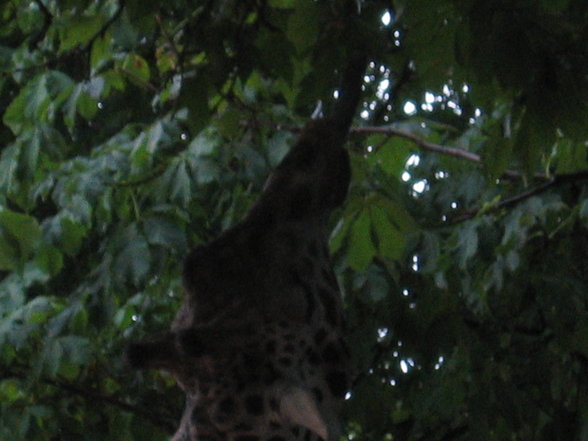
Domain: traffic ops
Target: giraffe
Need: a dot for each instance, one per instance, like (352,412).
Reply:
(257,344)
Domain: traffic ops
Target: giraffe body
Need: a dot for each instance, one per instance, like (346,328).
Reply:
(257,344)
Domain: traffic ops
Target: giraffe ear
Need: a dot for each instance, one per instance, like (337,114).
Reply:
(298,406)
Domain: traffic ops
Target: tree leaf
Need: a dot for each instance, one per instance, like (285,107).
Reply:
(229,123)
(194,96)
(497,156)
(49,259)
(361,249)
(133,260)
(19,237)
(467,243)
(390,239)
(391,155)
(303,27)
(78,30)
(72,234)
(160,231)
(100,53)
(136,68)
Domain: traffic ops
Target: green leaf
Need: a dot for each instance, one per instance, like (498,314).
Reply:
(339,235)
(194,97)
(181,184)
(30,146)
(378,286)
(14,116)
(570,156)
(39,310)
(229,123)
(160,231)
(430,252)
(133,259)
(51,358)
(113,80)
(203,145)
(361,249)
(10,391)
(166,61)
(278,145)
(86,105)
(76,350)
(124,316)
(19,237)
(37,101)
(78,322)
(30,103)
(100,53)
(71,237)
(390,239)
(49,259)
(467,242)
(534,139)
(275,53)
(78,30)
(391,155)
(303,25)
(203,169)
(136,68)
(60,353)
(70,109)
(496,157)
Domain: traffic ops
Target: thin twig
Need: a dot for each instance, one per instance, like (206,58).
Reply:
(168,37)
(138,79)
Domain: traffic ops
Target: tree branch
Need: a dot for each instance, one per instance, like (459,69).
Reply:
(425,145)
(513,200)
(169,38)
(349,90)
(437,148)
(468,156)
(93,395)
(422,143)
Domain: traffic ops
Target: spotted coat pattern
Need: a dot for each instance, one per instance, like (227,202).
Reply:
(257,345)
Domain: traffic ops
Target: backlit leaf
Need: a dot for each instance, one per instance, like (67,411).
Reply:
(78,30)
(361,248)
(303,27)
(19,236)
(136,69)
